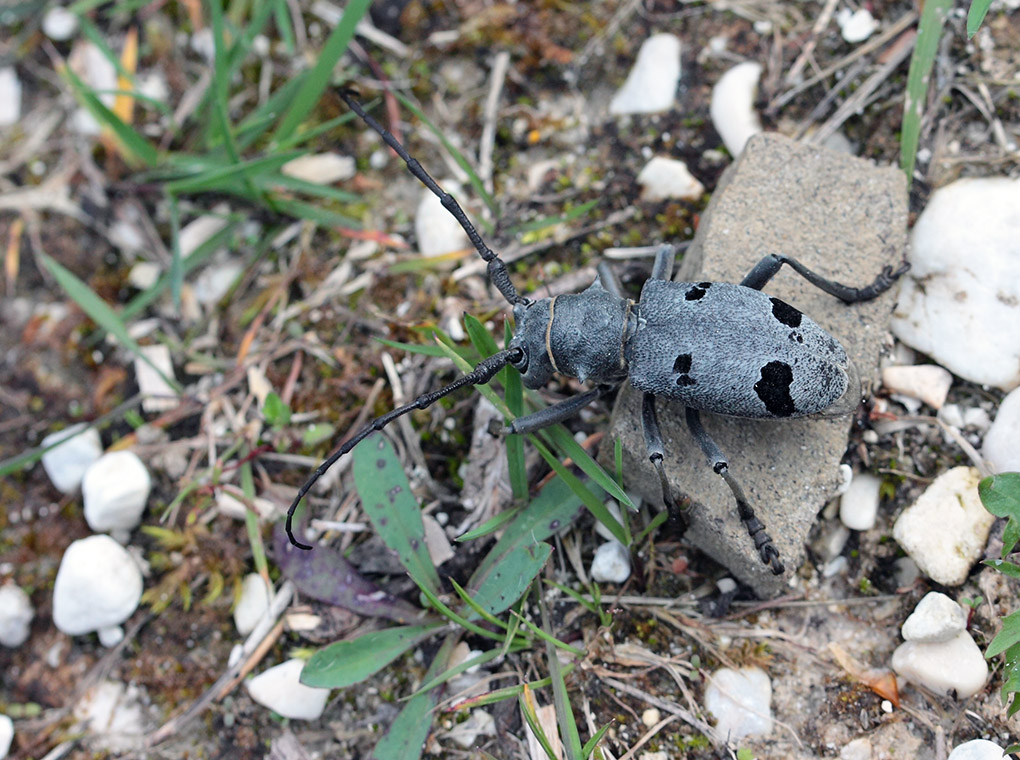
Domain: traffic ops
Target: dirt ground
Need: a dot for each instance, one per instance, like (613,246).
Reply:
(669,625)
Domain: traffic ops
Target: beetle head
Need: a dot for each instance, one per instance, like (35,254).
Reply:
(532,318)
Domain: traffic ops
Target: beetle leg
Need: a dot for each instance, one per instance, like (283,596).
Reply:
(766,269)
(558,412)
(755,527)
(609,280)
(676,507)
(662,269)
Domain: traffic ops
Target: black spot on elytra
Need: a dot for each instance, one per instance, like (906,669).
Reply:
(682,366)
(705,285)
(696,292)
(796,337)
(380,464)
(785,313)
(774,388)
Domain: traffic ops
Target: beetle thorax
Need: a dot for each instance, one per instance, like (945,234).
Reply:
(581,335)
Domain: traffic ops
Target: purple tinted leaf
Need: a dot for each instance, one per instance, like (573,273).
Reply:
(324,574)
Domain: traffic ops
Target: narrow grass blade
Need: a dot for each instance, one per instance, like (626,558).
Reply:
(976,15)
(561,699)
(550,221)
(592,743)
(928,34)
(392,509)
(564,442)
(278,181)
(489,526)
(317,80)
(592,502)
(135,147)
(406,736)
(527,705)
(344,663)
(100,313)
(320,216)
(251,520)
(473,178)
(446,675)
(513,389)
(224,178)
(413,348)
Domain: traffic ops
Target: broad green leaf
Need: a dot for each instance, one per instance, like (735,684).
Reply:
(1011,679)
(1004,567)
(344,663)
(505,582)
(395,514)
(405,738)
(1000,494)
(1007,637)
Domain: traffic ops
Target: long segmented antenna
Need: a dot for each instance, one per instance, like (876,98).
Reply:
(497,270)
(483,373)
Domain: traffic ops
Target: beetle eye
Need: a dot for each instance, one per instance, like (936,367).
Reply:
(519,360)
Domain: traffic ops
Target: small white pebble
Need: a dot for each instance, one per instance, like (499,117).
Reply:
(858,749)
(856,26)
(836,566)
(280,689)
(977,749)
(741,701)
(955,665)
(111,636)
(252,604)
(652,81)
(115,490)
(6,735)
(59,24)
(935,618)
(611,563)
(663,178)
(726,585)
(66,463)
(887,706)
(436,229)
(320,168)
(10,96)
(732,106)
(858,507)
(16,615)
(945,530)
(650,717)
(929,383)
(98,585)
(1001,448)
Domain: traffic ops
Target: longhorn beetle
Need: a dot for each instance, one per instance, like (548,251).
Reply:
(777,363)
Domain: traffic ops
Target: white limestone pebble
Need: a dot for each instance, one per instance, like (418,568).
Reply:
(956,665)
(611,563)
(856,26)
(66,463)
(98,586)
(651,83)
(157,393)
(321,168)
(977,749)
(115,490)
(280,689)
(10,96)
(664,178)
(732,106)
(1001,447)
(436,229)
(252,604)
(6,735)
(858,507)
(214,281)
(960,301)
(858,749)
(479,723)
(936,618)
(15,615)
(741,701)
(59,24)
(945,530)
(929,383)
(115,716)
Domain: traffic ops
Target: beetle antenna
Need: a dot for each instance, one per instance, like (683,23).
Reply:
(483,373)
(497,270)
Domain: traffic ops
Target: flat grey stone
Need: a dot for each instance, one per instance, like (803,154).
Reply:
(845,219)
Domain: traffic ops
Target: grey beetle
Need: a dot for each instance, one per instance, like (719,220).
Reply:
(712,346)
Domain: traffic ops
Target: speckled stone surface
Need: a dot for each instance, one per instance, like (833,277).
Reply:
(845,219)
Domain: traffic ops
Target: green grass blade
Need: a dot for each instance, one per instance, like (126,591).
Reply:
(593,742)
(344,663)
(590,500)
(564,442)
(318,78)
(133,144)
(323,217)
(551,221)
(413,348)
(222,178)
(976,15)
(100,313)
(489,526)
(278,181)
(251,520)
(928,34)
(406,736)
(392,509)
(513,388)
(458,157)
(531,718)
